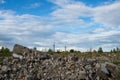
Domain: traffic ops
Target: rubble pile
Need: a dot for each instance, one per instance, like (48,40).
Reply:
(41,66)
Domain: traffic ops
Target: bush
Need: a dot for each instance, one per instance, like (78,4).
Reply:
(5,52)
(50,51)
(72,51)
(100,50)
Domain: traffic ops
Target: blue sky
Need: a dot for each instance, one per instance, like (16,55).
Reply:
(79,24)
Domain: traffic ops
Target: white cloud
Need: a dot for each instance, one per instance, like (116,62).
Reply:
(13,22)
(0,47)
(35,5)
(32,5)
(20,28)
(2,1)
(99,30)
(102,35)
(61,3)
(87,39)
(43,43)
(108,15)
(70,13)
(34,30)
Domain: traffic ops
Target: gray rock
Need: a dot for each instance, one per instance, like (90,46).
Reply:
(4,68)
(19,49)
(36,65)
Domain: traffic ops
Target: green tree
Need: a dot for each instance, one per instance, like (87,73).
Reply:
(94,51)
(35,48)
(4,52)
(50,51)
(111,51)
(117,50)
(72,50)
(114,50)
(100,50)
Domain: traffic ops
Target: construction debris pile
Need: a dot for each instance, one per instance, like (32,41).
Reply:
(35,65)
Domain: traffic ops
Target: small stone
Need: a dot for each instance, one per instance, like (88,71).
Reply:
(4,68)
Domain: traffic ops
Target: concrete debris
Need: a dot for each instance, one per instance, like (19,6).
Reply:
(35,65)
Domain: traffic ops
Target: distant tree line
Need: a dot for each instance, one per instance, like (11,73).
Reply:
(50,51)
(99,51)
(5,52)
(115,50)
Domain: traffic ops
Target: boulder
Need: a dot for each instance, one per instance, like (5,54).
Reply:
(19,49)
(112,68)
(101,74)
(22,50)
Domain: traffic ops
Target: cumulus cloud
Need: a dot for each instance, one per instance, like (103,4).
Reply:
(108,14)
(41,31)
(99,30)
(82,41)
(21,22)
(70,12)
(20,28)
